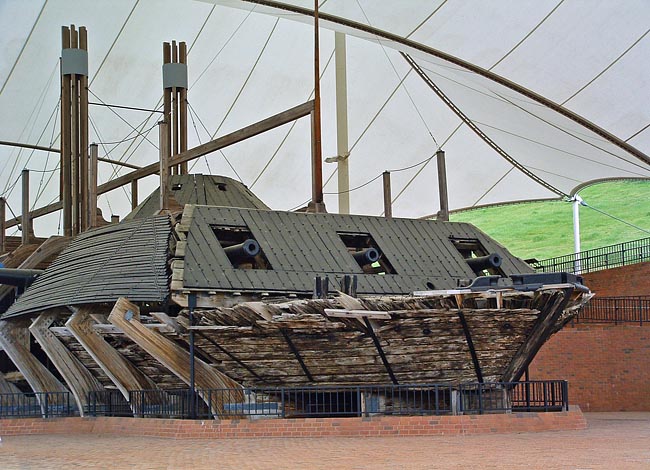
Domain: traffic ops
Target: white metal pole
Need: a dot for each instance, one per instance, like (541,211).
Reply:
(342,123)
(577,201)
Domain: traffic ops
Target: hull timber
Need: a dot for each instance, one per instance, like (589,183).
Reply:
(419,315)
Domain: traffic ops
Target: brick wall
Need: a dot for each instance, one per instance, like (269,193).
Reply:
(314,427)
(626,280)
(606,365)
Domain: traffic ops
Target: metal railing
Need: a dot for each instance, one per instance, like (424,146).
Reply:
(343,401)
(612,256)
(36,405)
(282,402)
(109,402)
(617,310)
(495,397)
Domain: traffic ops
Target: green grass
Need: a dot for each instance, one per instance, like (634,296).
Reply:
(545,229)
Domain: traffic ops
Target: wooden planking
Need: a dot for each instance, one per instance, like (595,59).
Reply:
(171,355)
(100,265)
(36,374)
(302,246)
(122,373)
(77,377)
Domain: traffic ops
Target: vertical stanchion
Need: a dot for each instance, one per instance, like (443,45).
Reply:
(388,204)
(443,214)
(92,187)
(134,194)
(25,218)
(3,225)
(163,135)
(191,304)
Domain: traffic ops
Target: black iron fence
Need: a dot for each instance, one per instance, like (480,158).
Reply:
(36,405)
(617,310)
(612,256)
(278,402)
(305,402)
(501,397)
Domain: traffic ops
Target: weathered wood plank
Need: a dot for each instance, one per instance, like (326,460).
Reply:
(39,378)
(170,354)
(122,373)
(77,377)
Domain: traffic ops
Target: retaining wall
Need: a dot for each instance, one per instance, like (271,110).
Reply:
(309,427)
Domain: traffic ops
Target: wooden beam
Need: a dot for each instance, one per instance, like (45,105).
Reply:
(122,372)
(550,312)
(470,345)
(443,195)
(125,315)
(92,186)
(66,155)
(388,202)
(163,134)
(83,138)
(39,378)
(25,215)
(182,58)
(134,194)
(380,350)
(192,154)
(296,354)
(6,386)
(3,228)
(74,373)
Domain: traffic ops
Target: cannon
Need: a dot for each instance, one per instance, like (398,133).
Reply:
(367,256)
(243,251)
(481,263)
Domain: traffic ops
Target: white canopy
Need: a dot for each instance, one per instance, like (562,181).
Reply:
(560,87)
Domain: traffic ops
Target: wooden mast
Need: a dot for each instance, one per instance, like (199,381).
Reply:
(175,102)
(74,130)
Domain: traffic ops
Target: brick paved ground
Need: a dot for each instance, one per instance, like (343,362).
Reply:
(613,441)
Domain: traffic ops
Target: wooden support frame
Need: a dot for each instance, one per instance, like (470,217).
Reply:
(3,228)
(388,202)
(380,350)
(470,345)
(122,373)
(125,315)
(296,353)
(39,378)
(74,373)
(6,386)
(26,234)
(548,316)
(247,132)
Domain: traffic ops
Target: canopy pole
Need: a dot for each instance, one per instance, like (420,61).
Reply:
(342,123)
(577,202)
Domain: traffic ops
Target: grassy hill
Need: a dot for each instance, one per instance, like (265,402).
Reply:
(545,229)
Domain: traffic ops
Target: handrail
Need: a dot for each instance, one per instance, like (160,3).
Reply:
(606,257)
(617,310)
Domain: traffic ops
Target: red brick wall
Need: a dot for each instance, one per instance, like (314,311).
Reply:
(607,366)
(314,427)
(626,280)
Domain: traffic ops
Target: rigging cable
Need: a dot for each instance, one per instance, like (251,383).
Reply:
(22,49)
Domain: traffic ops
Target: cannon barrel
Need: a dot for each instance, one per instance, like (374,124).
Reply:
(367,256)
(18,277)
(241,252)
(493,260)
